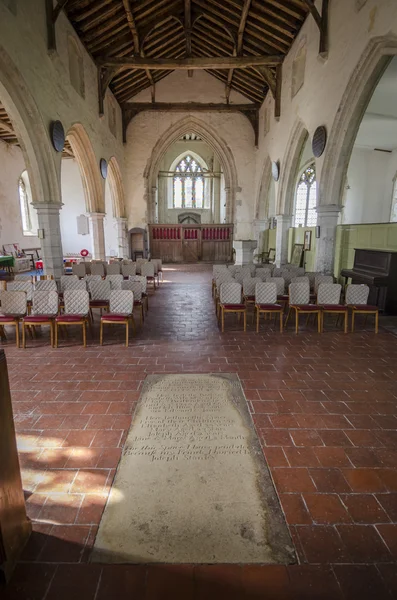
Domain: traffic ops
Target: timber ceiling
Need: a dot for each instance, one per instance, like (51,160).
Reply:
(176,29)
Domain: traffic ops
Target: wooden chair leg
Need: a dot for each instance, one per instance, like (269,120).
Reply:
(17,333)
(288,314)
(52,334)
(296,321)
(126,334)
(257,319)
(352,321)
(84,334)
(245,320)
(23,335)
(101,333)
(281,322)
(56,335)
(345,321)
(319,322)
(376,322)
(223,319)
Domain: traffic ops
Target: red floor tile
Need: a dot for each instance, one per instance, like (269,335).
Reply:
(325,408)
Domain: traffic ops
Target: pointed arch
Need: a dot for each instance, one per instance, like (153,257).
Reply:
(191,124)
(116,188)
(264,187)
(40,158)
(370,68)
(89,169)
(289,169)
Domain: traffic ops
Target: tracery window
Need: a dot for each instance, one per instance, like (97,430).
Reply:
(306,195)
(25,213)
(188,184)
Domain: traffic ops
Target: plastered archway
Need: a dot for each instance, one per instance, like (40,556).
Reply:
(264,187)
(353,105)
(89,168)
(289,169)
(191,124)
(39,156)
(116,188)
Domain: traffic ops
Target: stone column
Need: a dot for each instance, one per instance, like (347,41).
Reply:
(97,235)
(122,237)
(51,241)
(284,222)
(327,220)
(259,226)
(244,250)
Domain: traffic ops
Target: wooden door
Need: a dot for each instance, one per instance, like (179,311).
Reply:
(191,244)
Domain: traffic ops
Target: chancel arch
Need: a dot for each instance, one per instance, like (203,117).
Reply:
(227,169)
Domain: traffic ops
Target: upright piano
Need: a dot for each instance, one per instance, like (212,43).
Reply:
(378,270)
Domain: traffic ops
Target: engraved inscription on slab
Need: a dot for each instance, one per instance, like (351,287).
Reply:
(192,485)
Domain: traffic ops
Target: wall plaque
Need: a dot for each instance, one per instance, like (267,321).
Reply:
(57,133)
(275,170)
(103,166)
(319,141)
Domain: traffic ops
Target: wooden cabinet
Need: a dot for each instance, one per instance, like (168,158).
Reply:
(15,526)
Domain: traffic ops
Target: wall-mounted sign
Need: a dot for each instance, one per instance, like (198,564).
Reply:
(319,141)
(57,133)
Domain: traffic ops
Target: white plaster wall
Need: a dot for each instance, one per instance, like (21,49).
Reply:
(370,186)
(147,127)
(73,206)
(11,167)
(318,100)
(24,37)
(110,225)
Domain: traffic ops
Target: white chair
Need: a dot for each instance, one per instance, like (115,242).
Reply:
(79,269)
(128,269)
(136,287)
(147,270)
(115,281)
(299,302)
(266,302)
(13,309)
(356,299)
(113,268)
(328,298)
(230,301)
(44,312)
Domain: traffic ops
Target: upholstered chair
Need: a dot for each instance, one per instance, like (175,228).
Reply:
(113,268)
(356,300)
(44,312)
(121,307)
(299,302)
(77,307)
(266,302)
(136,287)
(128,269)
(115,281)
(13,309)
(230,301)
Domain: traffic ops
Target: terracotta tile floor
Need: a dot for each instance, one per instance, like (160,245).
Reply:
(325,409)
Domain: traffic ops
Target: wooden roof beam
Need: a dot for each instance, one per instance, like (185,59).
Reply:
(184,64)
(137,49)
(240,38)
(6,127)
(188,31)
(322,23)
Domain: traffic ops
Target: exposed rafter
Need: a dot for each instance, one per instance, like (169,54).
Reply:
(239,49)
(214,62)
(132,109)
(137,48)
(322,23)
(188,31)
(5,127)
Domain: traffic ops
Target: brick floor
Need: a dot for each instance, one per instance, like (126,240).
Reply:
(325,408)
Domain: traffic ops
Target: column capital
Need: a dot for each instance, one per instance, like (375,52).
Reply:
(121,219)
(331,210)
(96,215)
(48,206)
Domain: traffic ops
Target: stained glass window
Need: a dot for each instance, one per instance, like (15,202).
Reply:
(188,184)
(306,199)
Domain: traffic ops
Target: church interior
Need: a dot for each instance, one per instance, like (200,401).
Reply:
(198,299)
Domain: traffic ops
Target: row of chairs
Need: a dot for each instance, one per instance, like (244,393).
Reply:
(267,302)
(126,268)
(73,306)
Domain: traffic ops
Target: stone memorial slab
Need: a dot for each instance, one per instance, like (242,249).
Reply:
(192,485)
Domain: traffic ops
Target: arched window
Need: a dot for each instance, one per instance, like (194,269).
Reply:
(393,213)
(28,215)
(305,203)
(188,184)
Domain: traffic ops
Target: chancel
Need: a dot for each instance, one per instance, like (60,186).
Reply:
(198,299)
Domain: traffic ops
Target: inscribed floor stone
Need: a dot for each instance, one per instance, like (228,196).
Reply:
(192,485)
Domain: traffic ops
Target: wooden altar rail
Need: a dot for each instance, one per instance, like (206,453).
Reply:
(191,243)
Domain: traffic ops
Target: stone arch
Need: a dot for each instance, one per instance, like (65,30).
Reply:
(89,168)
(289,169)
(116,188)
(264,185)
(39,156)
(191,124)
(352,107)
